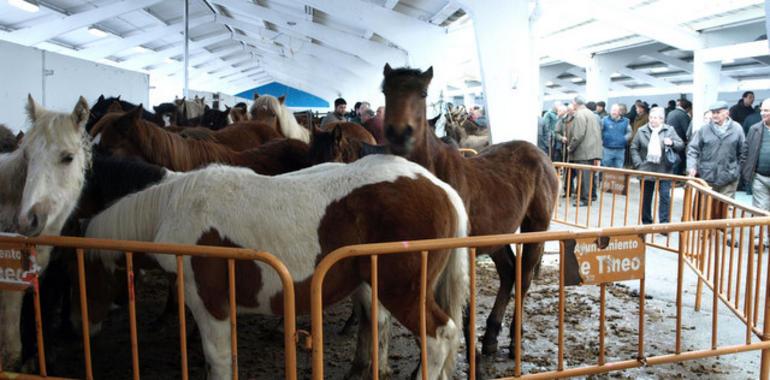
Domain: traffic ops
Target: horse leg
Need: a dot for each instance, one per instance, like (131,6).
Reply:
(442,340)
(504,265)
(215,336)
(533,253)
(362,361)
(10,329)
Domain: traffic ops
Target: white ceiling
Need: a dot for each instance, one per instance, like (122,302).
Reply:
(240,44)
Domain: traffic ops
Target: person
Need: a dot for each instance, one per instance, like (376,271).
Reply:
(716,151)
(585,146)
(642,117)
(562,132)
(380,114)
(679,119)
(363,107)
(543,135)
(616,133)
(755,171)
(752,119)
(373,124)
(740,110)
(648,153)
(338,114)
(551,118)
(672,104)
(631,115)
(601,108)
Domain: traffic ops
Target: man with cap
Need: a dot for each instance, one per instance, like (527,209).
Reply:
(337,115)
(716,151)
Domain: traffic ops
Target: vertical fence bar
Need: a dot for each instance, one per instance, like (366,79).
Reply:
(722,253)
(132,314)
(684,236)
(601,201)
(518,311)
(737,300)
(578,195)
(423,327)
(628,200)
(560,176)
(640,353)
(715,292)
(612,213)
(749,287)
(375,318)
(472,317)
(705,236)
(764,372)
(233,317)
(670,208)
(641,200)
(731,268)
(760,249)
(560,366)
(182,315)
(655,199)
(84,314)
(602,317)
(567,190)
(39,325)
(590,197)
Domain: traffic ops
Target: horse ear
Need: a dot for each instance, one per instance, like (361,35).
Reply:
(136,113)
(386,71)
(118,97)
(32,108)
(19,137)
(256,95)
(282,99)
(227,108)
(428,74)
(101,98)
(81,112)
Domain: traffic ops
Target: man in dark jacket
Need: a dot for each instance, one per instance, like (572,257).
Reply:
(679,118)
(716,151)
(756,169)
(740,110)
(752,119)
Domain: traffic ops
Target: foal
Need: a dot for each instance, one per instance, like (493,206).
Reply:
(508,186)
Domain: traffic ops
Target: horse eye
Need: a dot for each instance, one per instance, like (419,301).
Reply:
(424,94)
(67,158)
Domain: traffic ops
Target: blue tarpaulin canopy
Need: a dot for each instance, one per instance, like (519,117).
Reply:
(294,98)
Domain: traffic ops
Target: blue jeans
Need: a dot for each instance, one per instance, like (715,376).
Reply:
(664,196)
(614,157)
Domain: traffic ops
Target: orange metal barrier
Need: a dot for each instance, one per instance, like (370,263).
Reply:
(686,230)
(129,247)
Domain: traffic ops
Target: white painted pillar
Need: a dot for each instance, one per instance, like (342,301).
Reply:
(705,86)
(509,68)
(598,78)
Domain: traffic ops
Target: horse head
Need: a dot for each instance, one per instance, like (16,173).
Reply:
(405,121)
(272,111)
(58,152)
(114,134)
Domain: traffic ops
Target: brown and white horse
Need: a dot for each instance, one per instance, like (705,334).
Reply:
(508,186)
(40,183)
(301,217)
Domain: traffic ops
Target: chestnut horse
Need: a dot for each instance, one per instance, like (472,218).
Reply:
(300,218)
(508,186)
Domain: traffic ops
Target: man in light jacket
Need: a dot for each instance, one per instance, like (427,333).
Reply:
(585,145)
(716,151)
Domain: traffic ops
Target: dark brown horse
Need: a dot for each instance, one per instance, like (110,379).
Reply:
(8,141)
(340,142)
(508,186)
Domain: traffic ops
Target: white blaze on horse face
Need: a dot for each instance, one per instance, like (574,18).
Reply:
(57,155)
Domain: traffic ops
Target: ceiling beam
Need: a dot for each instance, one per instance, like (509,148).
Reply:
(112,46)
(445,12)
(44,31)
(376,53)
(144,60)
(643,77)
(737,51)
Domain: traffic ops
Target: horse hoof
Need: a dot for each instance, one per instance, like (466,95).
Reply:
(489,348)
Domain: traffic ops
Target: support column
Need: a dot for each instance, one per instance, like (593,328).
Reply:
(598,78)
(705,86)
(186,90)
(509,68)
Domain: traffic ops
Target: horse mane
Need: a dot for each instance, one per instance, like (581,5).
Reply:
(7,140)
(168,149)
(404,78)
(290,128)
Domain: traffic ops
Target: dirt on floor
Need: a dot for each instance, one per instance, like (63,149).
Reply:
(260,339)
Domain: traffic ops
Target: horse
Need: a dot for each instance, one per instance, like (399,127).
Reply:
(125,134)
(102,105)
(167,113)
(8,141)
(300,218)
(239,113)
(272,111)
(339,142)
(39,187)
(189,109)
(507,186)
(465,132)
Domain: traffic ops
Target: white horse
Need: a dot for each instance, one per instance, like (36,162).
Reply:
(39,188)
(299,218)
(273,111)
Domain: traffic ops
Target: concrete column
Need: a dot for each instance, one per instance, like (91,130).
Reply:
(598,78)
(509,68)
(705,86)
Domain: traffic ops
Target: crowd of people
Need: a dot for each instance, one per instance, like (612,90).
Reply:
(362,114)
(729,148)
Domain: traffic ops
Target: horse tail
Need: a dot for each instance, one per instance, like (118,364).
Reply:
(452,289)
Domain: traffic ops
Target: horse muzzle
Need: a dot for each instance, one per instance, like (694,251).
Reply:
(33,223)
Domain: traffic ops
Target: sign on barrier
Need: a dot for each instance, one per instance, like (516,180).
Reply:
(602,260)
(17,267)
(616,183)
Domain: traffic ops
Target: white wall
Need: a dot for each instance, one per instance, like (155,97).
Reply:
(21,72)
